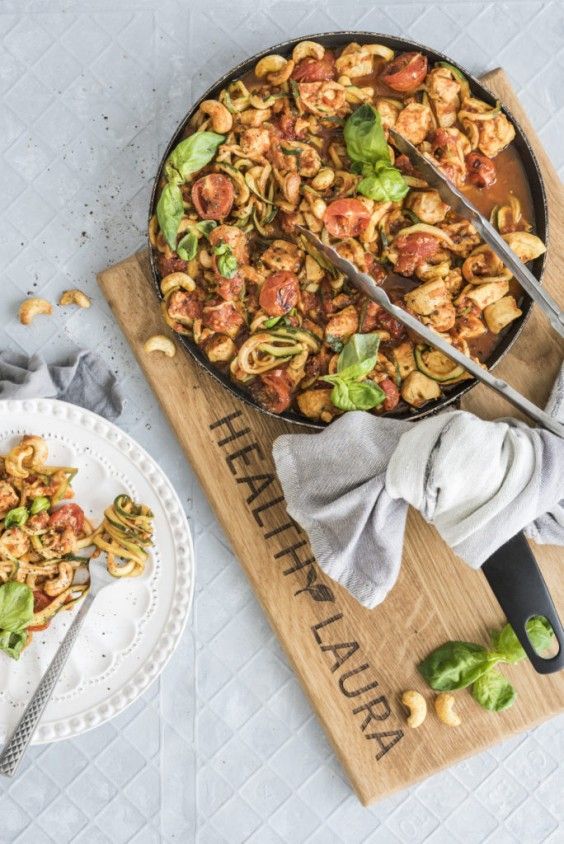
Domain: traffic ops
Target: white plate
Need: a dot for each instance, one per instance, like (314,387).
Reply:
(133,627)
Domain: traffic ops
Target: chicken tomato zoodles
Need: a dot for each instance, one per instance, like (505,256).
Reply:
(304,140)
(41,539)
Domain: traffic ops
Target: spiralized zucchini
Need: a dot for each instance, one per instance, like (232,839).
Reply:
(125,534)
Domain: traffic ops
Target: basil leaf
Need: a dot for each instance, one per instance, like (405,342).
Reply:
(359,348)
(366,394)
(18,516)
(206,227)
(16,606)
(508,646)
(272,321)
(226,260)
(170,210)
(493,691)
(356,371)
(39,504)
(191,155)
(456,665)
(364,136)
(340,395)
(187,247)
(12,643)
(540,633)
(385,184)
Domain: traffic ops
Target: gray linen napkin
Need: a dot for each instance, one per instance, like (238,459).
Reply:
(84,380)
(479,483)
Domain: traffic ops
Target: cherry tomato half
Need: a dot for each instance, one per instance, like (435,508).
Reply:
(481,170)
(69,515)
(346,217)
(222,317)
(279,293)
(315,70)
(405,72)
(213,196)
(273,391)
(392,394)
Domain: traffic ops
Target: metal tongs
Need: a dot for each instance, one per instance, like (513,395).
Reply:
(368,286)
(464,208)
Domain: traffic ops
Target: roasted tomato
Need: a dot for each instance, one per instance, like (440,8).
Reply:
(315,70)
(185,305)
(213,196)
(346,217)
(413,249)
(481,170)
(404,165)
(279,293)
(40,602)
(68,516)
(368,316)
(171,264)
(392,394)
(374,268)
(406,72)
(222,317)
(273,391)
(388,323)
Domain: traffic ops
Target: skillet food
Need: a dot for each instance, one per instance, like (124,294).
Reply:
(41,537)
(304,140)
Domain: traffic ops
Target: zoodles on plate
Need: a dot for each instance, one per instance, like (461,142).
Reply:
(43,542)
(304,140)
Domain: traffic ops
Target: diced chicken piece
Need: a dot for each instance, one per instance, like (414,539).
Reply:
(414,122)
(526,246)
(418,389)
(15,541)
(341,326)
(501,313)
(404,358)
(184,306)
(485,294)
(427,205)
(8,498)
(469,326)
(355,64)
(234,238)
(255,141)
(442,318)
(312,403)
(444,90)
(453,281)
(254,116)
(220,348)
(428,297)
(283,255)
(388,110)
(495,135)
(323,98)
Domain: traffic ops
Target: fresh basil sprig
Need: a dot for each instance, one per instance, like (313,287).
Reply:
(226,260)
(368,150)
(16,517)
(188,246)
(170,210)
(356,360)
(16,613)
(40,503)
(457,665)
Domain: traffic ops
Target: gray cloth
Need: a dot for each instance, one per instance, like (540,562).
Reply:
(479,483)
(84,380)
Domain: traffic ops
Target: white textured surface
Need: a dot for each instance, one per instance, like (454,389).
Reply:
(224,748)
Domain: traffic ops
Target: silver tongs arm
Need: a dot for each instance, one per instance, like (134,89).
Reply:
(462,206)
(368,286)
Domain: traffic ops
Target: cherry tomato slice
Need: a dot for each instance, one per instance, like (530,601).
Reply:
(68,516)
(273,391)
(481,170)
(213,196)
(392,394)
(222,317)
(412,249)
(40,600)
(315,70)
(279,293)
(346,217)
(405,72)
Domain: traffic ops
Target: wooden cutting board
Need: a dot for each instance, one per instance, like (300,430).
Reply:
(352,662)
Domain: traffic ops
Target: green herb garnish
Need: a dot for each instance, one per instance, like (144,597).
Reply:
(350,389)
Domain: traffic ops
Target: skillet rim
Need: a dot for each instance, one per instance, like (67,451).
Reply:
(531,167)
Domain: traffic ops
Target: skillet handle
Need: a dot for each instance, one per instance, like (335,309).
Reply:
(517,582)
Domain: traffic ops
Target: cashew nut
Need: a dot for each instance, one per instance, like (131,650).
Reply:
(173,280)
(269,64)
(160,343)
(221,119)
(417,706)
(291,188)
(324,179)
(31,307)
(282,75)
(75,297)
(444,706)
(306,50)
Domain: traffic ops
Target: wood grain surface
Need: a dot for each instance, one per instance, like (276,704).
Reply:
(352,662)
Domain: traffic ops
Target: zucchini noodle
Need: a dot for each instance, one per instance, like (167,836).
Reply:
(125,534)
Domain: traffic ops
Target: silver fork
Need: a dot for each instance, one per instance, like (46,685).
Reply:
(18,741)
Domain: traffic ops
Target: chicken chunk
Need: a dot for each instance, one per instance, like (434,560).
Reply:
(404,358)
(501,313)
(341,326)
(283,255)
(444,91)
(323,98)
(414,122)
(427,205)
(14,541)
(220,348)
(428,297)
(255,141)
(418,389)
(484,294)
(312,403)
(442,318)
(388,110)
(526,246)
(8,498)
(234,238)
(354,64)
(495,135)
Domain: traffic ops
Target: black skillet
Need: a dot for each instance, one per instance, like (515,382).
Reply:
(512,572)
